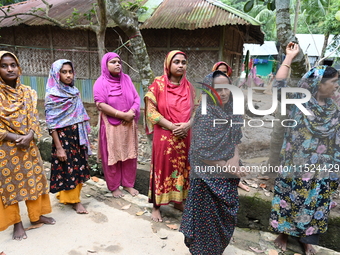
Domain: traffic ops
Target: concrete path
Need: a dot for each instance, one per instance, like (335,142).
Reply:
(113,227)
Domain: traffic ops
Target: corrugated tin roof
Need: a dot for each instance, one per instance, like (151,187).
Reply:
(194,14)
(61,11)
(180,14)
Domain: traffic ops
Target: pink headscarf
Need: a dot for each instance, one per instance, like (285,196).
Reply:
(116,91)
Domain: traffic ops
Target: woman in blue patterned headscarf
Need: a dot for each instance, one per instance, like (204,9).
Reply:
(210,212)
(309,156)
(68,124)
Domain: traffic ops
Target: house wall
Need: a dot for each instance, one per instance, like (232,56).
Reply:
(37,47)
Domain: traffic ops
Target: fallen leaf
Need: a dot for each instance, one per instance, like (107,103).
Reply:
(253,185)
(255,250)
(91,251)
(95,179)
(263,186)
(172,226)
(34,226)
(88,195)
(247,181)
(125,207)
(162,234)
(140,213)
(273,252)
(267,193)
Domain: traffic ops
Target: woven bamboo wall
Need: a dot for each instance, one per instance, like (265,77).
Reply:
(45,44)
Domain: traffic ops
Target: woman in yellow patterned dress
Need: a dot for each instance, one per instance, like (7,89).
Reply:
(22,177)
(169,105)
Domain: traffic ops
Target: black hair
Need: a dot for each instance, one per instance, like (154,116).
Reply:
(330,72)
(67,63)
(219,73)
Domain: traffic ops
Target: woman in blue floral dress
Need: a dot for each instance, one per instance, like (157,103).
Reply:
(309,158)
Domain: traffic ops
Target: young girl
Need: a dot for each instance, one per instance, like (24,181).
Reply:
(67,122)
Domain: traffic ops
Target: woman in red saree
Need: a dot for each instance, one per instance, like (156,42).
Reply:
(169,104)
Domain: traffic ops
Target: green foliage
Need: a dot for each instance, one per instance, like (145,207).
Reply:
(318,16)
(91,13)
(8,2)
(260,12)
(248,6)
(74,19)
(315,16)
(134,6)
(270,4)
(238,4)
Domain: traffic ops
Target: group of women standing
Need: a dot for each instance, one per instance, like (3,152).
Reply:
(118,102)
(209,216)
(184,140)
(301,202)
(21,167)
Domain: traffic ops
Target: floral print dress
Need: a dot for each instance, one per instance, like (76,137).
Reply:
(67,175)
(310,166)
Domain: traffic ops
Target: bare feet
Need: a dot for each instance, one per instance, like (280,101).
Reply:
(45,220)
(79,208)
(179,206)
(309,249)
(243,186)
(156,214)
(18,232)
(117,193)
(281,241)
(132,191)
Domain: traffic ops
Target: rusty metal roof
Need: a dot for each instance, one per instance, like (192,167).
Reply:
(61,11)
(180,14)
(193,14)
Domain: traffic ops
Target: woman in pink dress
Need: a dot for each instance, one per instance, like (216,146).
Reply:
(119,105)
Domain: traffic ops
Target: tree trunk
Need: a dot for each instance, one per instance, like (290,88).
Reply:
(325,43)
(297,10)
(298,68)
(101,29)
(285,35)
(101,43)
(128,22)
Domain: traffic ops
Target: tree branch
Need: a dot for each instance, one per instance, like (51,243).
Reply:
(48,6)
(52,20)
(102,20)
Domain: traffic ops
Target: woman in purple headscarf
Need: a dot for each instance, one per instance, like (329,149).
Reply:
(118,102)
(68,125)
